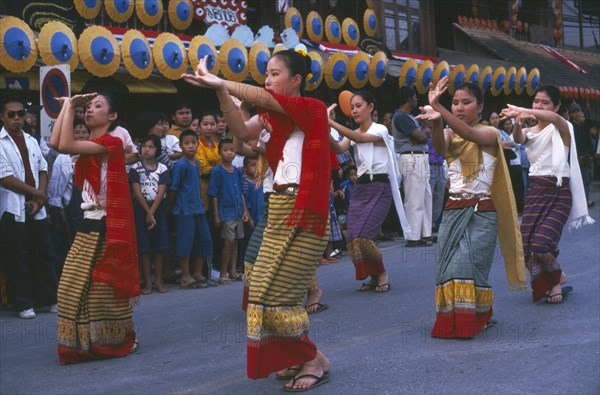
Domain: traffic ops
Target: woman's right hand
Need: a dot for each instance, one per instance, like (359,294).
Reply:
(435,92)
(202,78)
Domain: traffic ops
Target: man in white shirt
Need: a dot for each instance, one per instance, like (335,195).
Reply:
(28,256)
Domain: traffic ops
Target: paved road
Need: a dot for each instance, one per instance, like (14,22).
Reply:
(192,341)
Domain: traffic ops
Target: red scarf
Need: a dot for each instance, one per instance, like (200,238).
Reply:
(311,209)
(119,264)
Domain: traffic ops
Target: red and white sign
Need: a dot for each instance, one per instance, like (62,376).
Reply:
(55,82)
(229,13)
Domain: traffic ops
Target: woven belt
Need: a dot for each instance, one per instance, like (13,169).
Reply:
(289,191)
(469,196)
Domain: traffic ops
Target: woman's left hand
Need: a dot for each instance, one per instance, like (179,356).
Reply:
(428,114)
(510,112)
(330,110)
(202,78)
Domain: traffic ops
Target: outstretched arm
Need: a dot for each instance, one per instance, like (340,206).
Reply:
(353,135)
(541,115)
(438,137)
(67,143)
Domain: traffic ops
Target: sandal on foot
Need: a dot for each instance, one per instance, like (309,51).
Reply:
(492,322)
(320,307)
(161,289)
(225,281)
(564,294)
(134,347)
(320,380)
(365,287)
(288,376)
(382,288)
(194,285)
(146,291)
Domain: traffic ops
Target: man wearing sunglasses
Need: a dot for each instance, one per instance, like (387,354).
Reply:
(28,257)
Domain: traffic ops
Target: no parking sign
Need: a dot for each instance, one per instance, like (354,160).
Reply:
(55,82)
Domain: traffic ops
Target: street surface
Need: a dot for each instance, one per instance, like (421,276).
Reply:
(193,341)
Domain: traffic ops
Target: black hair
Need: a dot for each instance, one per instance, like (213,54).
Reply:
(79,121)
(12,98)
(551,91)
(187,132)
(179,104)
(404,94)
(473,89)
(296,63)
(218,113)
(563,109)
(224,141)
(149,119)
(367,96)
(248,159)
(207,113)
(348,169)
(156,141)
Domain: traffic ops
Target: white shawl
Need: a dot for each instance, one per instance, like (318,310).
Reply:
(550,137)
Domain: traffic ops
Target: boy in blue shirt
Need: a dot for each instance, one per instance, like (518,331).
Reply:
(229,208)
(193,233)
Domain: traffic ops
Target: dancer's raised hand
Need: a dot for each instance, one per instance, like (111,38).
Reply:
(428,114)
(202,77)
(435,92)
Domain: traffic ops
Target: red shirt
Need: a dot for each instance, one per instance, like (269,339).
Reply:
(20,142)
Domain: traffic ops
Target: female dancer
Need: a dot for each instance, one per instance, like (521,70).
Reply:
(555,195)
(295,237)
(477,212)
(100,275)
(372,194)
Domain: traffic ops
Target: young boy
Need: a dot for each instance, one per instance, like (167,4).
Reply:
(255,203)
(229,208)
(193,233)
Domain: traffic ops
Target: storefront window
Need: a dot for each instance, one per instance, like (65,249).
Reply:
(402,25)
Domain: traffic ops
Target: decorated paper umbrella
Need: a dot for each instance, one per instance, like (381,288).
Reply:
(170,56)
(485,78)
(510,80)
(497,84)
(316,71)
(233,59)
(202,46)
(370,22)
(119,10)
(99,51)
(350,32)
(88,9)
(150,12)
(359,70)
(259,57)
(137,54)
(58,45)
(533,81)
(336,70)
(378,69)
(18,48)
(408,73)
(279,48)
(441,70)
(314,26)
(333,29)
(293,19)
(180,13)
(370,4)
(457,77)
(424,76)
(344,99)
(472,74)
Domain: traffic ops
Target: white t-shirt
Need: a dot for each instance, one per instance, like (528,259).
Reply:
(123,134)
(170,144)
(290,167)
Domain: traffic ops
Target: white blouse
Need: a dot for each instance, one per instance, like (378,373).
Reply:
(290,167)
(481,184)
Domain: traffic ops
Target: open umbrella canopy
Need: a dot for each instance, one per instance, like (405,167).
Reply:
(119,10)
(457,77)
(293,20)
(424,76)
(202,46)
(18,48)
(510,80)
(88,9)
(58,45)
(336,70)
(180,13)
(378,69)
(149,12)
(521,80)
(233,59)
(441,70)
(533,81)
(314,26)
(259,57)
(279,48)
(333,29)
(370,22)
(472,74)
(485,78)
(170,56)
(316,71)
(350,32)
(497,84)
(408,73)
(99,51)
(137,54)
(359,70)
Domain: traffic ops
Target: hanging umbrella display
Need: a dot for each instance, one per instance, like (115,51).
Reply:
(316,71)
(244,35)
(279,48)
(408,73)
(350,32)
(472,74)
(18,48)
(293,20)
(370,22)
(336,70)
(149,12)
(359,70)
(378,69)
(180,13)
(119,10)
(533,81)
(510,80)
(170,56)
(521,80)
(333,29)
(424,76)
(57,45)
(88,9)
(497,84)
(202,46)
(314,26)
(457,77)
(259,57)
(485,78)
(370,4)
(441,70)
(218,34)
(137,54)
(233,59)
(99,51)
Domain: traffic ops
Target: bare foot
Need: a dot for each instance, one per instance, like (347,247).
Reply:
(382,279)
(185,281)
(313,299)
(563,278)
(288,373)
(160,288)
(371,285)
(325,364)
(312,367)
